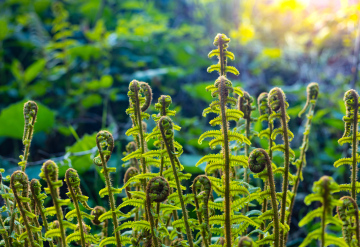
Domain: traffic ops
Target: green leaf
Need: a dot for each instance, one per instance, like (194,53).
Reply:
(80,163)
(34,70)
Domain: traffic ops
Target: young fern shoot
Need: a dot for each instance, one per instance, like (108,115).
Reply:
(157,190)
(348,213)
(49,172)
(323,190)
(351,135)
(260,163)
(167,133)
(97,212)
(73,182)
(105,145)
(203,183)
(20,186)
(225,160)
(30,113)
(245,106)
(312,96)
(38,198)
(278,105)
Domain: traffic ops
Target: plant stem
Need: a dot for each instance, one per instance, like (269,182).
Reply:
(226,153)
(5,235)
(286,168)
(323,218)
(174,158)
(111,196)
(354,150)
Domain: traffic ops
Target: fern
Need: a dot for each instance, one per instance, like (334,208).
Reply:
(351,100)
(323,190)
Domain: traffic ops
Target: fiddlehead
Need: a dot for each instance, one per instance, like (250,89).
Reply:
(19,184)
(167,133)
(73,182)
(97,212)
(105,145)
(157,190)
(245,242)
(348,213)
(203,183)
(222,42)
(312,95)
(312,91)
(278,105)
(39,197)
(146,90)
(259,160)
(351,100)
(130,172)
(49,173)
(30,113)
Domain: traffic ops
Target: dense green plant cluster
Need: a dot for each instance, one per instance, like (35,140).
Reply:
(236,203)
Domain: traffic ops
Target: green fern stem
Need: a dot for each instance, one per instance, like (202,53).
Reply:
(50,174)
(35,188)
(347,224)
(223,93)
(276,103)
(134,91)
(354,170)
(264,111)
(258,161)
(325,185)
(203,181)
(105,139)
(312,95)
(72,179)
(167,133)
(5,235)
(19,181)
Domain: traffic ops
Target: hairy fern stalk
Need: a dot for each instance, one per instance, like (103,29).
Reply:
(153,207)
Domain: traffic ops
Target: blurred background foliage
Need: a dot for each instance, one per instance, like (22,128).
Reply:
(76,59)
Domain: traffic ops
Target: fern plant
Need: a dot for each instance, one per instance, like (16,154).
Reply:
(225,160)
(105,145)
(323,190)
(351,135)
(167,133)
(245,106)
(260,163)
(20,186)
(73,183)
(278,105)
(348,213)
(312,95)
(30,113)
(38,197)
(49,172)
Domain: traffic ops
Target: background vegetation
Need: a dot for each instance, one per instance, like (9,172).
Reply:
(76,59)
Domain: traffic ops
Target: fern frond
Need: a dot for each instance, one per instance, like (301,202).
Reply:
(281,147)
(136,154)
(280,131)
(136,225)
(310,216)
